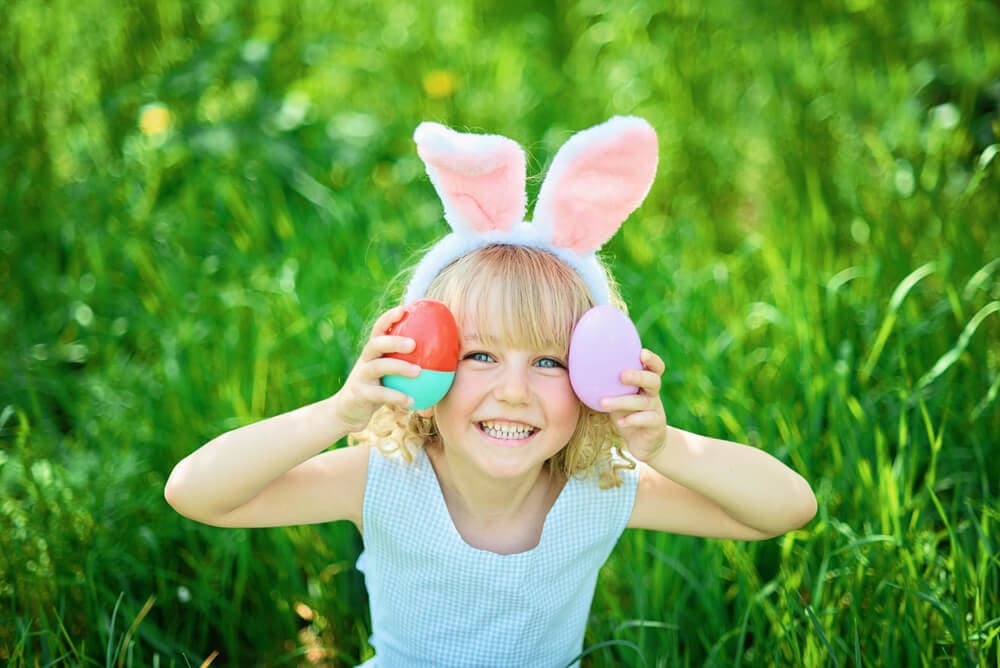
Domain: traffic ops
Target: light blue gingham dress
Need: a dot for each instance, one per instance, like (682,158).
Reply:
(436,601)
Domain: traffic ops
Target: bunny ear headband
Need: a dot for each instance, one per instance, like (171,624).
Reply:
(598,177)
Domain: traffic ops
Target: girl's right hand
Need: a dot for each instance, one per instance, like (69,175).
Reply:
(363,392)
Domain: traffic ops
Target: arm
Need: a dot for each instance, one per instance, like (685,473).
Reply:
(708,487)
(702,486)
(270,473)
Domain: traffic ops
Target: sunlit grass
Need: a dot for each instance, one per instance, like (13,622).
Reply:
(202,204)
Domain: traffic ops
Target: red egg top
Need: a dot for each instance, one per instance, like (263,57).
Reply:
(433,327)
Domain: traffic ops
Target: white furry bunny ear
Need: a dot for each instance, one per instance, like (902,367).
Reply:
(479,178)
(598,177)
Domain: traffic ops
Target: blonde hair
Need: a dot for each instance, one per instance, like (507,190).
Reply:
(540,299)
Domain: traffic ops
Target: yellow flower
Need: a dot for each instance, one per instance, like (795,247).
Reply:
(154,119)
(440,83)
(304,611)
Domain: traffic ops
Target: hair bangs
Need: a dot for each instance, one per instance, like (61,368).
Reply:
(532,299)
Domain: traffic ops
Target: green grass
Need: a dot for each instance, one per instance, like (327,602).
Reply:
(818,261)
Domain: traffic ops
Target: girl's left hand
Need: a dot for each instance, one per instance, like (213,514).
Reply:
(640,418)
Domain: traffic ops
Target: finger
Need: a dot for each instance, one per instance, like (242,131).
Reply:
(389,366)
(618,416)
(387,319)
(640,420)
(628,403)
(378,394)
(645,380)
(378,346)
(653,362)
(381,345)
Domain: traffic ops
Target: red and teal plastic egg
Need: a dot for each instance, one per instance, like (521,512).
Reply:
(432,326)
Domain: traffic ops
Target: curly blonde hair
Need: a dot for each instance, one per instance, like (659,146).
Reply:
(540,300)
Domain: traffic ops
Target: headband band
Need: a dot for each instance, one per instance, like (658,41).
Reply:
(597,178)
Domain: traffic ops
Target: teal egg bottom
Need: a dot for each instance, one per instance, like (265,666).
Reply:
(426,389)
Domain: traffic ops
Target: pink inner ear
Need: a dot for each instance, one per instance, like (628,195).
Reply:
(482,201)
(479,178)
(603,179)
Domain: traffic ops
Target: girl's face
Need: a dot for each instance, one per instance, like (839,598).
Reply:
(510,408)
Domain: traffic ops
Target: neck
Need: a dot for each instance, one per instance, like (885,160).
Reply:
(484,500)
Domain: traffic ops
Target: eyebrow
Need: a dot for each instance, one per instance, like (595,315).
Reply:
(475,338)
(478,336)
(550,346)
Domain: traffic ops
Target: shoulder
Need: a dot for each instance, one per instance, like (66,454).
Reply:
(608,492)
(393,474)
(657,499)
(618,473)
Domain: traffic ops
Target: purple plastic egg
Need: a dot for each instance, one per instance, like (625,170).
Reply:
(604,343)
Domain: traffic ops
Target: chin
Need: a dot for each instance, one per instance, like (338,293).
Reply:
(510,464)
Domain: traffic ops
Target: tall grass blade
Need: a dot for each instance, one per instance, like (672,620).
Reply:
(822,636)
(109,656)
(857,645)
(645,624)
(898,295)
(949,358)
(122,648)
(66,636)
(980,279)
(606,644)
(985,158)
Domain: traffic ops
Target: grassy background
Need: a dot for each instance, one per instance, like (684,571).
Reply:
(202,203)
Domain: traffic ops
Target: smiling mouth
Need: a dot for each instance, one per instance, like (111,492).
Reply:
(507,431)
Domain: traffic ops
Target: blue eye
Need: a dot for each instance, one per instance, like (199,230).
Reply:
(550,363)
(479,357)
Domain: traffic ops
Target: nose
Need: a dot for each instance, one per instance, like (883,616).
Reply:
(512,385)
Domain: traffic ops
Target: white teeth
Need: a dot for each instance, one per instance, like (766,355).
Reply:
(507,431)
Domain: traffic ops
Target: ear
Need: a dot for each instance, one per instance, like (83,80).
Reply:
(479,178)
(596,180)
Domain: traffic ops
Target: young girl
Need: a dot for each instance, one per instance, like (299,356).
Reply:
(487,517)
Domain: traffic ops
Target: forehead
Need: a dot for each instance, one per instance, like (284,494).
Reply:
(517,318)
(521,296)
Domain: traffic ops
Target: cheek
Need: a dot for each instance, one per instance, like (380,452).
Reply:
(572,410)
(562,399)
(461,387)
(459,398)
